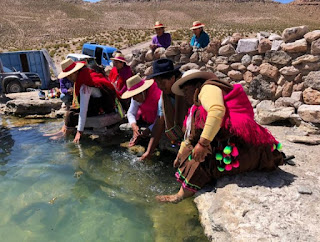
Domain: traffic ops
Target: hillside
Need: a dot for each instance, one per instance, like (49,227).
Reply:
(35,24)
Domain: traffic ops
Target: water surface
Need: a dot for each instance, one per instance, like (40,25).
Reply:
(59,191)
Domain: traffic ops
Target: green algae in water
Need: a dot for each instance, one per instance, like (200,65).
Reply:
(112,199)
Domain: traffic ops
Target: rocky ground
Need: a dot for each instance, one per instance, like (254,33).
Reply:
(279,206)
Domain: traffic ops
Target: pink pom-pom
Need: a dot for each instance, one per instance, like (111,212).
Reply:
(235,151)
(235,164)
(228,167)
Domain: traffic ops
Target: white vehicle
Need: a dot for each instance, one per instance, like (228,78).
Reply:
(81,57)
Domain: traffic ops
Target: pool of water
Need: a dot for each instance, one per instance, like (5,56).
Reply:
(60,191)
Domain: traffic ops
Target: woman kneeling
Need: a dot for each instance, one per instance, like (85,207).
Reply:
(221,135)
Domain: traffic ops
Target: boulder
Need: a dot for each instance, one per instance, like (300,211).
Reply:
(246,60)
(189,66)
(194,58)
(315,47)
(223,68)
(312,80)
(307,67)
(158,53)
(277,57)
(220,75)
(247,45)
(269,70)
(236,57)
(305,59)
(278,92)
(294,33)
(297,96)
(184,58)
(287,102)
(298,87)
(309,113)
(287,89)
(172,51)
(298,46)
(235,38)
(273,37)
(226,40)
(257,60)
(298,78)
(148,71)
(312,36)
(276,45)
(248,76)
(260,89)
(214,46)
(267,112)
(226,50)
(238,66)
(264,46)
(311,96)
(205,56)
(185,48)
(289,71)
(149,56)
(235,75)
(140,69)
(281,81)
(253,68)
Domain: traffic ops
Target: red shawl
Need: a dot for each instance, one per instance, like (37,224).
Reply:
(120,77)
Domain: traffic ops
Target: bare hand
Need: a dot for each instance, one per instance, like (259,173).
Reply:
(77,138)
(134,140)
(70,90)
(176,162)
(135,129)
(199,153)
(145,156)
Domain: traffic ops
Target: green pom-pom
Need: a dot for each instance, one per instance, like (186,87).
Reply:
(190,157)
(274,147)
(221,169)
(219,156)
(227,150)
(227,160)
(279,146)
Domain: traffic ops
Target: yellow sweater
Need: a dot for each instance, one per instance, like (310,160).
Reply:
(211,98)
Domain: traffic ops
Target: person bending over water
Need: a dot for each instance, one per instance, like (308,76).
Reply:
(97,96)
(221,135)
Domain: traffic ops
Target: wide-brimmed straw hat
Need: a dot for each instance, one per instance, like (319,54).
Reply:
(196,25)
(158,25)
(119,57)
(161,67)
(189,75)
(68,67)
(136,85)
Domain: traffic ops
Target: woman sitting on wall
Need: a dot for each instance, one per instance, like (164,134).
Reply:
(145,95)
(221,135)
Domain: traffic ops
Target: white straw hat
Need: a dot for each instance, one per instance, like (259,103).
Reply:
(68,67)
(136,85)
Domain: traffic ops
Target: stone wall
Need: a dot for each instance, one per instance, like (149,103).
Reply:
(281,74)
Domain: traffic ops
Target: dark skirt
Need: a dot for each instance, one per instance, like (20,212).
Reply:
(194,175)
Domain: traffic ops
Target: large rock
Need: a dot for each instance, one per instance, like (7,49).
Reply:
(260,89)
(172,50)
(149,56)
(298,46)
(257,60)
(235,38)
(236,57)
(226,50)
(307,67)
(287,89)
(184,58)
(289,71)
(246,60)
(311,96)
(148,71)
(268,113)
(315,47)
(235,75)
(312,36)
(287,102)
(140,68)
(312,80)
(102,121)
(226,40)
(277,57)
(294,33)
(273,37)
(310,113)
(305,59)
(205,56)
(304,139)
(269,70)
(214,46)
(189,66)
(247,45)
(276,45)
(185,48)
(194,58)
(253,68)
(248,76)
(159,52)
(297,96)
(221,60)
(238,66)
(264,46)
(223,68)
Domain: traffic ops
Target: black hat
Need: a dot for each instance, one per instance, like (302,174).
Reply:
(161,67)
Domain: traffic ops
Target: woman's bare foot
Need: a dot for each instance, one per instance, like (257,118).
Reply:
(58,135)
(62,130)
(176,198)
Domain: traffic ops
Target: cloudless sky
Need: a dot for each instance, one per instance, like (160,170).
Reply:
(282,1)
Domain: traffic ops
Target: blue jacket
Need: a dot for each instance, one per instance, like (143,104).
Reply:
(200,42)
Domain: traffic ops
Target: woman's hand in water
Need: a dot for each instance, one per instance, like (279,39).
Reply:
(145,156)
(77,137)
(135,129)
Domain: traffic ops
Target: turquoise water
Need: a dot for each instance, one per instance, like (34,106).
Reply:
(59,191)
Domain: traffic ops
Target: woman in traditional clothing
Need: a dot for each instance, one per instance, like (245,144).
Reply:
(221,135)
(143,109)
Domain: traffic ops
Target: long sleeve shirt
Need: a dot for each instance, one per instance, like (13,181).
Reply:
(162,41)
(132,112)
(200,42)
(65,84)
(85,93)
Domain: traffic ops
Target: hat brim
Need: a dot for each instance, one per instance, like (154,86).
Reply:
(197,27)
(77,67)
(145,86)
(164,72)
(203,74)
(159,27)
(119,60)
